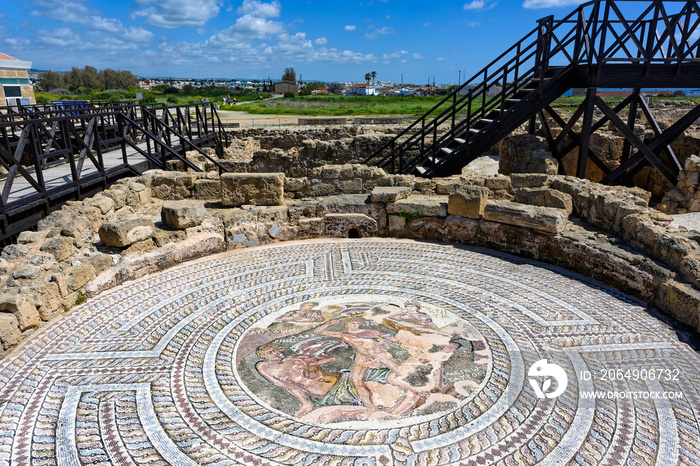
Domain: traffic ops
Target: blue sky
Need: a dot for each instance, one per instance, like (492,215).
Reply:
(257,39)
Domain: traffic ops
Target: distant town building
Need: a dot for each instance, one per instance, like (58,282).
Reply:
(282,87)
(361,89)
(15,87)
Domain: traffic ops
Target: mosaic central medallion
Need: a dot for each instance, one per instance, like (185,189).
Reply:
(369,359)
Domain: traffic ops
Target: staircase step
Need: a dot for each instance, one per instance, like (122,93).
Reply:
(421,170)
(474,130)
(446,150)
(459,141)
(488,121)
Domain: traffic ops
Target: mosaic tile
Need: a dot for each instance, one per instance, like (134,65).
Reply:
(358,352)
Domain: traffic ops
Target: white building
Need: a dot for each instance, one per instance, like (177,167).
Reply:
(15,87)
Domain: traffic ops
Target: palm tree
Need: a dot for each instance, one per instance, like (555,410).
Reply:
(368,76)
(374,75)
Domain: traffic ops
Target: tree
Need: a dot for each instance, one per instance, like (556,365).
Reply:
(373,74)
(289,75)
(50,80)
(368,76)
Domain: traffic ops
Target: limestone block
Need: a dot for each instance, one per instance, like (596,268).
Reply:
(118,195)
(497,182)
(530,180)
(5,266)
(57,219)
(61,248)
(163,236)
(682,302)
(14,251)
(543,219)
(525,153)
(302,208)
(138,195)
(311,227)
(47,298)
(349,226)
(125,232)
(207,190)
(131,268)
(235,216)
(268,213)
(27,237)
(182,214)
(26,272)
(239,189)
(544,197)
(104,203)
(427,206)
(294,184)
(447,185)
(352,204)
(388,194)
(99,262)
(23,309)
(467,201)
(354,186)
(139,247)
(77,276)
(459,229)
(396,224)
(10,335)
(80,230)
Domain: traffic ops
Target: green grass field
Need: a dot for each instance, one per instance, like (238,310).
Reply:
(333,105)
(310,105)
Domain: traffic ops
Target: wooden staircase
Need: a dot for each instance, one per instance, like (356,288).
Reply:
(594,46)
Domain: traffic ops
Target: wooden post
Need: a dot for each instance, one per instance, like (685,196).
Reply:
(586,132)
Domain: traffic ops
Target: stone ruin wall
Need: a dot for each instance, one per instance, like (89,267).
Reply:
(158,220)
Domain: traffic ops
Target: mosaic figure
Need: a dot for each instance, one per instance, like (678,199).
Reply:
(362,361)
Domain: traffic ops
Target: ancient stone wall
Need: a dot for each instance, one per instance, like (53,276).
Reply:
(146,224)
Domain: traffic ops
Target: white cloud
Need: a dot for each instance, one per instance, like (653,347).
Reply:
(247,28)
(61,37)
(417,56)
(442,59)
(535,4)
(321,41)
(259,9)
(17,41)
(375,32)
(479,5)
(350,27)
(474,24)
(171,14)
(106,24)
(137,34)
(397,54)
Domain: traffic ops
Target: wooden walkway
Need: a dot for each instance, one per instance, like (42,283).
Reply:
(59,174)
(82,151)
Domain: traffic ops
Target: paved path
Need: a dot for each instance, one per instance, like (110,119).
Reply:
(405,353)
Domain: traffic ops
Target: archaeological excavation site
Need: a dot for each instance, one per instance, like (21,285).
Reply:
(504,280)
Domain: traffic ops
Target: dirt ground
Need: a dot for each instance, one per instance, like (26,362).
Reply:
(247,120)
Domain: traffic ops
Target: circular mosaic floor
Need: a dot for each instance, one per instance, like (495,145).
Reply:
(364,352)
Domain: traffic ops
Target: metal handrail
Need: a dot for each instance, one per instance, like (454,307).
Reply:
(550,42)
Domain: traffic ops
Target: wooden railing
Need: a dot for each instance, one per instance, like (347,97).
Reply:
(595,35)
